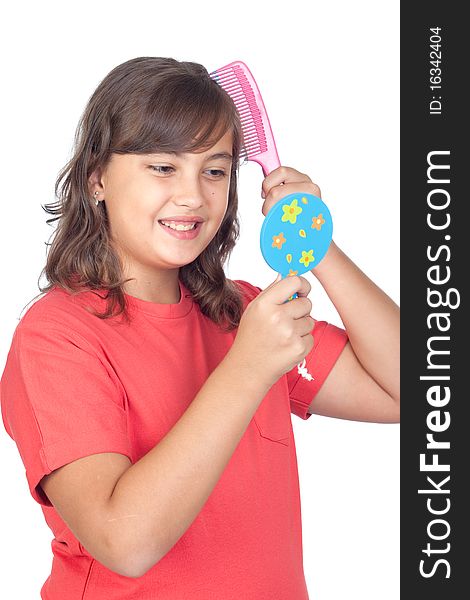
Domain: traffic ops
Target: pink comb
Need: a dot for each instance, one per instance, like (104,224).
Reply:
(258,140)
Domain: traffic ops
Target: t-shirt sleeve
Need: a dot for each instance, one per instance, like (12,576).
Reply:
(60,401)
(329,342)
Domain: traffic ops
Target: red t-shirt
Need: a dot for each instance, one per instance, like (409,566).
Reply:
(76,385)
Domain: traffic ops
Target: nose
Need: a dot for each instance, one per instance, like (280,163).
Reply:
(188,192)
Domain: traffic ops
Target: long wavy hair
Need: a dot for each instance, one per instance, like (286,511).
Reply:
(144,105)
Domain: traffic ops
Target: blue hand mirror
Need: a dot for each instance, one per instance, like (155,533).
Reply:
(296,234)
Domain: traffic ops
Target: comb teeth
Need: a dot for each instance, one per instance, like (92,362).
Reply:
(234,81)
(258,140)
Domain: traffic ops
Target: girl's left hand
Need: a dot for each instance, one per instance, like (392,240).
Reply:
(284,181)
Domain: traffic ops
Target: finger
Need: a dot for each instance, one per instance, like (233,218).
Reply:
(283,175)
(281,191)
(305,287)
(298,308)
(303,293)
(284,289)
(304,326)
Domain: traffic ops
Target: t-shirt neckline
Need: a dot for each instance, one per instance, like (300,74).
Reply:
(167,311)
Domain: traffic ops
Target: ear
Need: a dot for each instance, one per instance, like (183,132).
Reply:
(95,181)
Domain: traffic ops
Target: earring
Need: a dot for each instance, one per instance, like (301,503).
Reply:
(96,199)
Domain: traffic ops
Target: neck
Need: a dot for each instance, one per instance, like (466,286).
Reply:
(161,289)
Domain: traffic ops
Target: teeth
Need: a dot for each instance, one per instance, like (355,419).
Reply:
(179,227)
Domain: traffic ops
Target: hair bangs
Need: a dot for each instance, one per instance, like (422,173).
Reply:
(186,114)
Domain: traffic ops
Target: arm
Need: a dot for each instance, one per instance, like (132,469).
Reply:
(364,382)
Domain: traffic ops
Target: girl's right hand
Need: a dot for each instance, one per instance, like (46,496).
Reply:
(274,335)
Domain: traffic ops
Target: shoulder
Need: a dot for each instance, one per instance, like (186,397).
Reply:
(58,309)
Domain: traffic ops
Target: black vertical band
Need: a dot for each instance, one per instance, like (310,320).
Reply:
(435,250)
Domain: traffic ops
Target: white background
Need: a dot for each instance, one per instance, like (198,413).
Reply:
(329,76)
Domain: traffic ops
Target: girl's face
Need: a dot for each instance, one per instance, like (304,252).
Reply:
(141,190)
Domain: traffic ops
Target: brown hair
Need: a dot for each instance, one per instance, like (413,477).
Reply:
(144,105)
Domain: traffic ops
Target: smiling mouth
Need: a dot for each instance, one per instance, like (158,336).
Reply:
(182,231)
(180,226)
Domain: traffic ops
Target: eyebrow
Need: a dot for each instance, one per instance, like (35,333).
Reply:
(223,155)
(217,155)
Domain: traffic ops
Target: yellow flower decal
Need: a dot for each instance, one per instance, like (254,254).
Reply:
(278,240)
(304,200)
(307,257)
(302,233)
(289,258)
(291,211)
(317,222)
(292,273)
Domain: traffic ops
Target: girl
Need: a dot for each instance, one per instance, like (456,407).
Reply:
(149,396)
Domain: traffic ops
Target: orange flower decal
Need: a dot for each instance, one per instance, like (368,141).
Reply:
(317,222)
(292,273)
(278,240)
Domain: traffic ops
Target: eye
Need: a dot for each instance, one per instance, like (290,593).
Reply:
(161,169)
(217,173)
